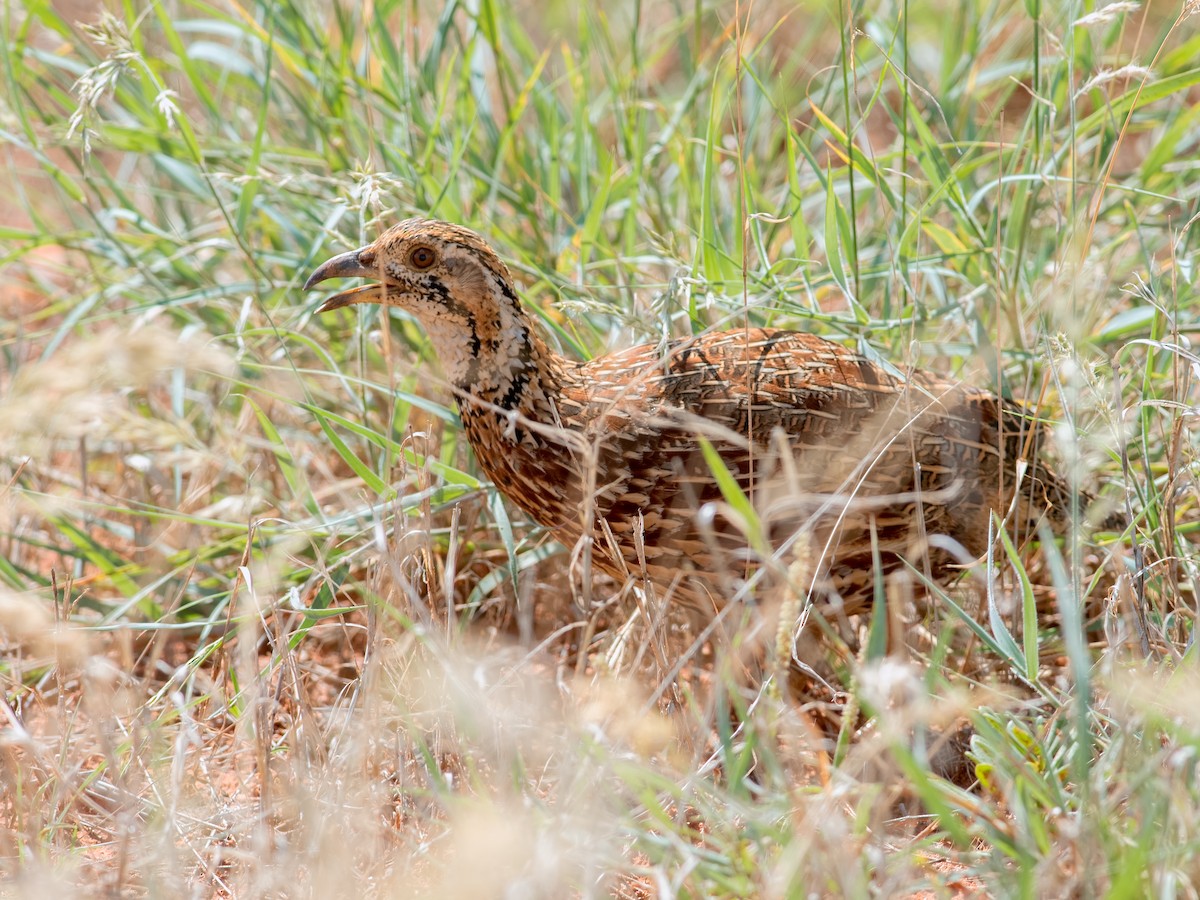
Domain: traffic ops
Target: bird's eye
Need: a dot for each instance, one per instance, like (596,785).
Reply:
(422,258)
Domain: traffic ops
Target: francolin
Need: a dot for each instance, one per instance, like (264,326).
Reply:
(863,467)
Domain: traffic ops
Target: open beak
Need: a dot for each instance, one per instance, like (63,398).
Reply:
(346,265)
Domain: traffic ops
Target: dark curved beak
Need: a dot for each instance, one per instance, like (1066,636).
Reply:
(346,265)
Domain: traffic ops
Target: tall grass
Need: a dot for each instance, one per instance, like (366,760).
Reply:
(267,631)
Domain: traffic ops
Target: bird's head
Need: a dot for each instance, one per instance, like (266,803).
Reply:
(455,286)
(420,265)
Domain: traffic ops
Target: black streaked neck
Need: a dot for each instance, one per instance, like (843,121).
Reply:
(503,369)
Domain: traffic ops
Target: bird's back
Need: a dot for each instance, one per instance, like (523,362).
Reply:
(620,457)
(829,445)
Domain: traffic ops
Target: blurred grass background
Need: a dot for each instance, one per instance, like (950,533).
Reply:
(265,631)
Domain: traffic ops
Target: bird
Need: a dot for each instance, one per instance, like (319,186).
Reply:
(687,466)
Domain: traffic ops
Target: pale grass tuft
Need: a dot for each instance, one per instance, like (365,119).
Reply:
(369,190)
(167,104)
(84,389)
(26,623)
(489,844)
(523,794)
(100,80)
(1142,693)
(23,619)
(1124,74)
(616,713)
(895,692)
(1109,13)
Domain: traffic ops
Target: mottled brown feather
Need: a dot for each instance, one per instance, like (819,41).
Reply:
(829,445)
